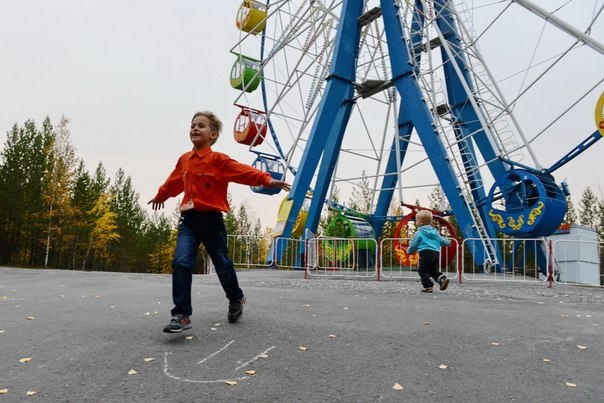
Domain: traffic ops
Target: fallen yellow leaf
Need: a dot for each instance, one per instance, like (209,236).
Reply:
(442,366)
(250,372)
(302,348)
(580,347)
(332,336)
(495,343)
(571,384)
(213,328)
(546,360)
(132,372)
(397,387)
(189,337)
(30,318)
(263,356)
(231,383)
(3,391)
(149,359)
(30,393)
(426,323)
(25,359)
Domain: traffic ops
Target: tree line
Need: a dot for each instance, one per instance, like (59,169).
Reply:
(56,213)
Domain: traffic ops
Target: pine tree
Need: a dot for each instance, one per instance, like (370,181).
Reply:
(571,213)
(87,191)
(25,162)
(362,196)
(159,239)
(129,217)
(588,209)
(230,221)
(436,199)
(12,181)
(56,193)
(329,214)
(104,231)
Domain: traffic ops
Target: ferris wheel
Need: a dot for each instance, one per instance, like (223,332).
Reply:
(395,97)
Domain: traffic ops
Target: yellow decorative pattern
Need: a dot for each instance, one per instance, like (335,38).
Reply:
(339,252)
(536,212)
(497,219)
(516,225)
(404,257)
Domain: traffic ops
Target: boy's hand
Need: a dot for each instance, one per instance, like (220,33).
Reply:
(274,183)
(155,205)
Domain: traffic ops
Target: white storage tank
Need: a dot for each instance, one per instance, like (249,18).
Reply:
(576,253)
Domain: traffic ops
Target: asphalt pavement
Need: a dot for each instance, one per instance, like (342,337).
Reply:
(69,336)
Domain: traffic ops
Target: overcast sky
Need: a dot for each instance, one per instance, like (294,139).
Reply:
(129,74)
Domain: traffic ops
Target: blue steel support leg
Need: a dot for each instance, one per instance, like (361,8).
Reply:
(396,157)
(405,128)
(332,117)
(417,110)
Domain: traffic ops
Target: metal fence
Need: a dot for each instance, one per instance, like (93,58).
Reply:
(395,263)
(520,260)
(342,257)
(526,260)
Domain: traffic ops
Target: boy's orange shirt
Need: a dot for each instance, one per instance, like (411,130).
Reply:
(204,176)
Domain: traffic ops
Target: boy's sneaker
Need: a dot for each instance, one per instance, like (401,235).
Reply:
(178,323)
(235,310)
(427,290)
(444,283)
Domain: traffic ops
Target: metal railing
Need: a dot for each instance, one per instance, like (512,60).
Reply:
(523,260)
(395,263)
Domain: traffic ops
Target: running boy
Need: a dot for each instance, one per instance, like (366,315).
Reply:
(203,175)
(428,241)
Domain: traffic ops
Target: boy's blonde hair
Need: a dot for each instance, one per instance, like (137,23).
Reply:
(423,217)
(215,123)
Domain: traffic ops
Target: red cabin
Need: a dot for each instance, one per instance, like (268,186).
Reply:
(250,126)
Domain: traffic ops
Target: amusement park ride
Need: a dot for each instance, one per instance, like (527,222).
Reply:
(397,95)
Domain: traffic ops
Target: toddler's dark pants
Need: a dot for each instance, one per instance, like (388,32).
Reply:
(429,262)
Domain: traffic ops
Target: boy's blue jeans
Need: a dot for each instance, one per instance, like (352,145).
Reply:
(198,227)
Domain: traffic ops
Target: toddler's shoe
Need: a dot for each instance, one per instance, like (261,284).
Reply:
(444,283)
(427,290)
(178,323)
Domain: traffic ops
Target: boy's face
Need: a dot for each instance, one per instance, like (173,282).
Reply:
(201,133)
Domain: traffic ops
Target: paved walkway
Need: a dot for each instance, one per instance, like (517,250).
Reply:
(97,337)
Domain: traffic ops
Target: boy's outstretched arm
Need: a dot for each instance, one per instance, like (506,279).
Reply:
(280,184)
(156,205)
